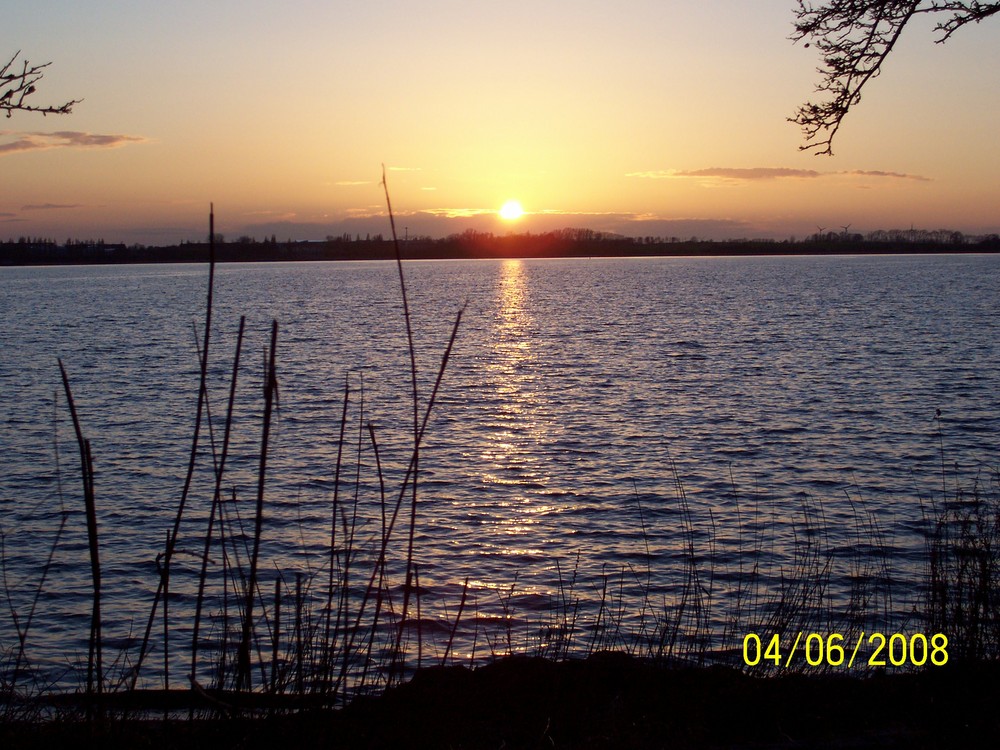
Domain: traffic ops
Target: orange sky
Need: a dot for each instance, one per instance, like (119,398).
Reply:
(644,118)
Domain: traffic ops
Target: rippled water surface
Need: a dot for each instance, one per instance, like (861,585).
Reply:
(604,428)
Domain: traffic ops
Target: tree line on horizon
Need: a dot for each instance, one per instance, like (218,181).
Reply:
(479,244)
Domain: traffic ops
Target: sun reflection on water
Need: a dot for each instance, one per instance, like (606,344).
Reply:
(509,459)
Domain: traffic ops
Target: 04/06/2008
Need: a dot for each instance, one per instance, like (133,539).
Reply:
(896,649)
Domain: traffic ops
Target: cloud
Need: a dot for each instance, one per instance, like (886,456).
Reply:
(405,169)
(879,173)
(656,174)
(352,183)
(271,214)
(458,213)
(685,228)
(50,206)
(24,141)
(739,174)
(729,173)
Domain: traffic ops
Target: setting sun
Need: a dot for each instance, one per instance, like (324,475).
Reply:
(511,211)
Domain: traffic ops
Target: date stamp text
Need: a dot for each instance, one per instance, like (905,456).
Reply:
(871,649)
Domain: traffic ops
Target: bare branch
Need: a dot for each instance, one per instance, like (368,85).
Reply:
(964,14)
(854,38)
(17,83)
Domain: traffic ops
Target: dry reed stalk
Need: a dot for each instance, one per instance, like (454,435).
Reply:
(298,636)
(409,477)
(380,561)
(243,680)
(647,585)
(227,577)
(276,635)
(216,503)
(731,633)
(350,526)
(165,578)
(94,659)
(411,468)
(458,617)
(330,643)
(416,439)
(691,589)
(169,551)
(599,620)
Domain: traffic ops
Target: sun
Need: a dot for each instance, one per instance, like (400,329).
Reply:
(511,211)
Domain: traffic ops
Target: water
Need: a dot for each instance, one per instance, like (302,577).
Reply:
(599,421)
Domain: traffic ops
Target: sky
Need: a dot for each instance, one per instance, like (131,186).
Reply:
(640,118)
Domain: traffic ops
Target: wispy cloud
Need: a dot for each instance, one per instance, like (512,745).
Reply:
(405,169)
(560,212)
(740,174)
(352,183)
(50,206)
(879,173)
(728,173)
(458,213)
(653,174)
(366,211)
(25,141)
(272,215)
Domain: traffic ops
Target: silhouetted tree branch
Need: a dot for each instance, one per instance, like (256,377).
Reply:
(854,38)
(17,83)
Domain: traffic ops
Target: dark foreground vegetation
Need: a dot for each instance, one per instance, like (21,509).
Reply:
(566,243)
(333,658)
(606,701)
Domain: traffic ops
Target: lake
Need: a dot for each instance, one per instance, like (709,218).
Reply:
(656,454)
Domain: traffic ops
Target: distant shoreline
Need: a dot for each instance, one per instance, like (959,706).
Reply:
(462,247)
